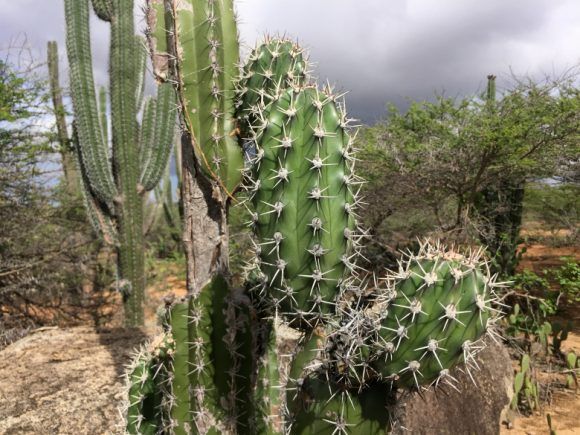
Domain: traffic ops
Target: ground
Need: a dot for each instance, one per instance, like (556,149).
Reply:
(69,380)
(562,404)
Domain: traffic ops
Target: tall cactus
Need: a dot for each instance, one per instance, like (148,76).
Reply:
(66,150)
(116,179)
(223,371)
(499,206)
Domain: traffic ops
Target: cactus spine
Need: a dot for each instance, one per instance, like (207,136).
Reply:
(115,182)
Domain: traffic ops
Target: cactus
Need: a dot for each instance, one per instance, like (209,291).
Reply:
(357,343)
(66,150)
(201,57)
(304,203)
(116,180)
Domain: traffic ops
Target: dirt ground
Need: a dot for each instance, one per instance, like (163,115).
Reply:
(65,381)
(563,404)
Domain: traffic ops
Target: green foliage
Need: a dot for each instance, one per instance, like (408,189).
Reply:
(526,387)
(567,279)
(557,208)
(47,257)
(435,161)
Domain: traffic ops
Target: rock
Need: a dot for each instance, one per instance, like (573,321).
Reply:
(65,381)
(69,381)
(473,410)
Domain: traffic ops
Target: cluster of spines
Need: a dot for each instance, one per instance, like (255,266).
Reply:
(421,320)
(148,381)
(304,196)
(274,65)
(199,38)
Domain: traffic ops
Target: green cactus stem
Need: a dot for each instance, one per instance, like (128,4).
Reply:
(205,47)
(424,320)
(273,66)
(116,179)
(321,407)
(304,199)
(71,177)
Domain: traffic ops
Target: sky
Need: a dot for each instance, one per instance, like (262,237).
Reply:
(380,51)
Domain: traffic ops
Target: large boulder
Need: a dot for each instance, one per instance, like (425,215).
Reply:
(65,381)
(474,409)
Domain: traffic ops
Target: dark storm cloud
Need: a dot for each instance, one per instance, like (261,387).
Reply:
(381,51)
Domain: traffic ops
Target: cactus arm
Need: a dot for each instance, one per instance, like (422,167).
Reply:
(97,212)
(230,171)
(207,58)
(147,131)
(205,403)
(94,151)
(103,114)
(268,391)
(66,150)
(159,149)
(56,93)
(182,419)
(308,181)
(141,72)
(103,9)
(141,413)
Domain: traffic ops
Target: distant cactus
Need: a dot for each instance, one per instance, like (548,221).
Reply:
(223,371)
(71,178)
(115,180)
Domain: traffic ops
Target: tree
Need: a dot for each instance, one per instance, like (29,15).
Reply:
(444,154)
(43,262)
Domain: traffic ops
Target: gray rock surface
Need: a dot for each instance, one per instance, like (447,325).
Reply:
(64,381)
(476,409)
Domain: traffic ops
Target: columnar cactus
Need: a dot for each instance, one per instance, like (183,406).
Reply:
(303,195)
(272,67)
(195,45)
(116,180)
(65,142)
(220,369)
